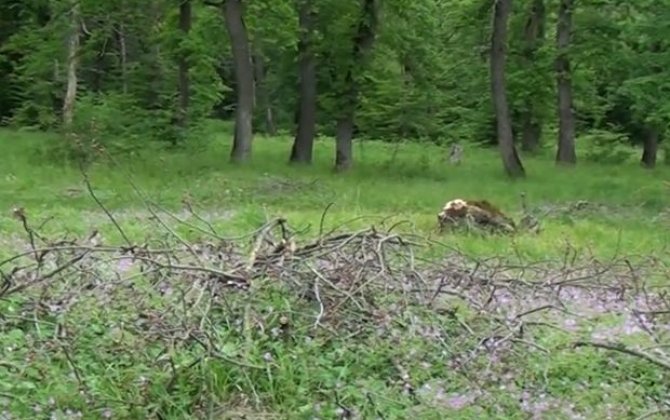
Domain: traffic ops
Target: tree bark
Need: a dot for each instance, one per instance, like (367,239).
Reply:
(244,80)
(566,130)
(533,37)
(72,66)
(344,133)
(262,95)
(531,131)
(121,33)
(650,148)
(303,144)
(510,157)
(185,18)
(362,44)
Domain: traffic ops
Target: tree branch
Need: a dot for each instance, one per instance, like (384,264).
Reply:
(623,349)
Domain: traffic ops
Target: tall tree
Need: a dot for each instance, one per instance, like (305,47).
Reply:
(123,53)
(301,152)
(534,32)
(261,88)
(566,129)
(244,80)
(185,11)
(362,44)
(72,65)
(510,157)
(650,149)
(12,19)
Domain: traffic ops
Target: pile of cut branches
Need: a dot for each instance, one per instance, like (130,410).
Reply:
(337,270)
(350,279)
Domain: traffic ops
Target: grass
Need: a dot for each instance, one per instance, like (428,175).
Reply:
(413,186)
(318,377)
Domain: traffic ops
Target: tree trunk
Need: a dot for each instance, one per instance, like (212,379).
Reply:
(650,148)
(262,95)
(510,157)
(566,129)
(244,80)
(533,38)
(72,66)
(531,131)
(343,145)
(304,139)
(185,18)
(362,44)
(121,32)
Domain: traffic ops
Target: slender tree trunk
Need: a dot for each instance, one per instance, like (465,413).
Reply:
(304,139)
(153,96)
(185,19)
(98,70)
(344,132)
(510,157)
(121,33)
(72,66)
(405,122)
(362,44)
(244,80)
(531,131)
(650,148)
(262,94)
(566,130)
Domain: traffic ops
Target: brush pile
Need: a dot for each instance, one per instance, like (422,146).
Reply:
(349,279)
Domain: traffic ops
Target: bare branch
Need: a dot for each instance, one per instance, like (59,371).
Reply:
(623,349)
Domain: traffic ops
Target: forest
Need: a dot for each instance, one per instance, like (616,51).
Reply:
(522,75)
(334,209)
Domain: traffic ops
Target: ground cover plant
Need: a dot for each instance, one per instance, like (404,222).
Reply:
(176,287)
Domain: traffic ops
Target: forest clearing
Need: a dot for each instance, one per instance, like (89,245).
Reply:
(334,209)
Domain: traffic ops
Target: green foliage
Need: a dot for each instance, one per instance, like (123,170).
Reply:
(427,77)
(113,121)
(604,146)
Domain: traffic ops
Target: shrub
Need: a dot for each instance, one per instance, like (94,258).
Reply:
(604,146)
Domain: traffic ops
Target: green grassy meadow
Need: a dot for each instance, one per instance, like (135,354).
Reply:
(111,375)
(409,182)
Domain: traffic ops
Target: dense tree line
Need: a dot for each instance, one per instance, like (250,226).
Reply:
(520,74)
